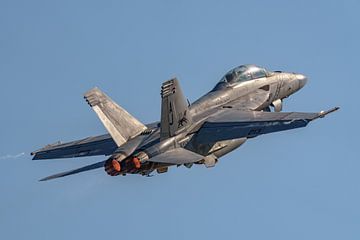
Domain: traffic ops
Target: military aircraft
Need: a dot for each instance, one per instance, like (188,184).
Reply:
(244,104)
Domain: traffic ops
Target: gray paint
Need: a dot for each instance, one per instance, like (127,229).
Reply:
(237,109)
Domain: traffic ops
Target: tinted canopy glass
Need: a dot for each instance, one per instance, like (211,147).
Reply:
(240,74)
(244,73)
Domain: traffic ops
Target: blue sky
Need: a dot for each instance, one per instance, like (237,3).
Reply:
(301,184)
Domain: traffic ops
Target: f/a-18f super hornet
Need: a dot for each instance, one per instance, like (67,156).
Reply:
(244,104)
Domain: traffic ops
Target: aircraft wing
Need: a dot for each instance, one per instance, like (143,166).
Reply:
(91,146)
(233,123)
(177,156)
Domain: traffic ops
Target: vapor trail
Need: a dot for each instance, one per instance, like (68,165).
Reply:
(12,156)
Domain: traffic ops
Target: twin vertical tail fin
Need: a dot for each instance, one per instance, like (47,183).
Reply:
(122,126)
(174,110)
(117,121)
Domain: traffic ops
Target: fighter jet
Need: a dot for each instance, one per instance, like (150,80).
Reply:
(246,103)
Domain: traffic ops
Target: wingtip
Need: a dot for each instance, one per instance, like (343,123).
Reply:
(34,156)
(324,113)
(333,109)
(44,179)
(49,178)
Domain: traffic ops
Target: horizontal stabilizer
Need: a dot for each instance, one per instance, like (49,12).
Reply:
(177,156)
(75,171)
(117,121)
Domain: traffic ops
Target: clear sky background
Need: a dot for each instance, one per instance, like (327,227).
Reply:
(300,184)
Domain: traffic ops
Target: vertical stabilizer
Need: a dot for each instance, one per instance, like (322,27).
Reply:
(117,121)
(174,110)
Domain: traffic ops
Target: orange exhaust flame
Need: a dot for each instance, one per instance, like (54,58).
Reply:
(136,162)
(116,165)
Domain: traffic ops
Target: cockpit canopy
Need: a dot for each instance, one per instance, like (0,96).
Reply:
(241,74)
(244,73)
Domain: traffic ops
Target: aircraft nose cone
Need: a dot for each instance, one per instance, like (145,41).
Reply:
(302,80)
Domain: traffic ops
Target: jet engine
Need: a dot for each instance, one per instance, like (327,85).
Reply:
(132,164)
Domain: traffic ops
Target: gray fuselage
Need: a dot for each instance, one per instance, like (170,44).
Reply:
(242,93)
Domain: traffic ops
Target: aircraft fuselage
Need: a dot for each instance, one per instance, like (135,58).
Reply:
(278,86)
